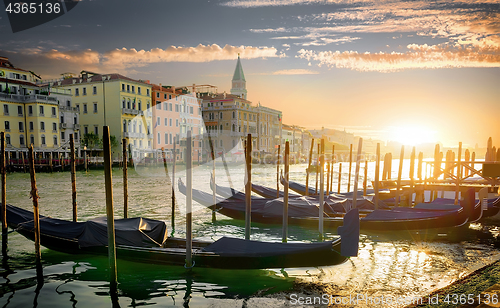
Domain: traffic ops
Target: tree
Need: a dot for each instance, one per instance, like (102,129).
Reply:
(91,141)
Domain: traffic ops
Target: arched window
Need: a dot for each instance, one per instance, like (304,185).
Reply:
(123,103)
(234,128)
(234,115)
(128,103)
(221,127)
(140,128)
(129,126)
(139,105)
(43,139)
(124,126)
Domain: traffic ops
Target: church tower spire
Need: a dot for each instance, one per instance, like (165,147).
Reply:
(239,85)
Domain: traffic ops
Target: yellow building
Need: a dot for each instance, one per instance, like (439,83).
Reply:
(29,114)
(120,102)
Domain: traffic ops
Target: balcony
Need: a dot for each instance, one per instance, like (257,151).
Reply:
(236,134)
(70,109)
(63,125)
(130,111)
(28,98)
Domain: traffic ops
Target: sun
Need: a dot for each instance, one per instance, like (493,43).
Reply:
(411,134)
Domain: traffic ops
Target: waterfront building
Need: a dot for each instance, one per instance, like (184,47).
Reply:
(30,114)
(175,112)
(120,102)
(229,118)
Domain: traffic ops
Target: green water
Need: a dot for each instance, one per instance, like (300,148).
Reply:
(385,266)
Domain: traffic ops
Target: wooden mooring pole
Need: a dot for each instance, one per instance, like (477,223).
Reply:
(125,177)
(412,176)
(459,171)
(356,175)
(321,168)
(248,186)
(285,192)
(350,168)
(189,201)
(172,213)
(4,195)
(331,175)
(278,174)
(340,177)
(73,176)
(34,198)
(400,171)
(109,210)
(308,170)
(214,194)
(317,172)
(365,179)
(377,175)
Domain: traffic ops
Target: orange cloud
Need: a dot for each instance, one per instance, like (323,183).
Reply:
(419,57)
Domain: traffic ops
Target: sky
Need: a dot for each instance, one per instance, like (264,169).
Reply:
(407,71)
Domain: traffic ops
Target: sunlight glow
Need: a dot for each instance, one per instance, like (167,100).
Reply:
(411,135)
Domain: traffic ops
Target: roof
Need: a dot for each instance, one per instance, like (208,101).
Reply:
(222,96)
(4,62)
(17,81)
(96,77)
(238,72)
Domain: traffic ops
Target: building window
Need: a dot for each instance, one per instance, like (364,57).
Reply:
(84,91)
(158,105)
(77,92)
(94,90)
(133,89)
(147,92)
(123,87)
(128,88)
(176,108)
(170,137)
(139,90)
(78,107)
(234,128)
(191,110)
(5,109)
(21,140)
(169,106)
(165,106)
(157,94)
(85,130)
(20,110)
(31,126)
(170,122)
(63,136)
(221,127)
(55,140)
(7,126)
(139,105)
(96,130)
(21,127)
(157,121)
(166,122)
(7,139)
(95,107)
(84,108)
(124,126)
(42,111)
(158,140)
(54,127)
(128,103)
(42,126)
(234,115)
(43,139)
(177,122)
(166,138)
(30,110)
(54,114)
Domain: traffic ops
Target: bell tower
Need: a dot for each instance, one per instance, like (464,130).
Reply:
(239,85)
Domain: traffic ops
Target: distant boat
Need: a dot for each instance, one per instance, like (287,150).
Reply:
(146,240)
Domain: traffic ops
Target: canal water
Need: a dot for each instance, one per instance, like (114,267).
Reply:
(392,266)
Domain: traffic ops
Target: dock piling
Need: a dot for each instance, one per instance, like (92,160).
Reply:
(278,174)
(125,177)
(321,166)
(4,194)
(73,175)
(459,171)
(356,174)
(350,168)
(248,187)
(285,191)
(340,177)
(36,212)
(317,172)
(308,170)
(109,210)
(189,201)
(400,171)
(172,214)
(377,176)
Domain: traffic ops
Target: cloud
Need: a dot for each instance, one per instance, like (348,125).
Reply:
(264,3)
(418,57)
(125,60)
(295,72)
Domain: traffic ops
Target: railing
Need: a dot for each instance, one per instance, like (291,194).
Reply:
(67,108)
(130,111)
(28,98)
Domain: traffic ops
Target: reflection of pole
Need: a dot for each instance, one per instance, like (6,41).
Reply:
(189,200)
(109,209)
(285,196)
(4,195)
(125,178)
(248,187)
(73,175)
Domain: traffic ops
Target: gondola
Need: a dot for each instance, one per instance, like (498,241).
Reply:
(146,240)
(304,214)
